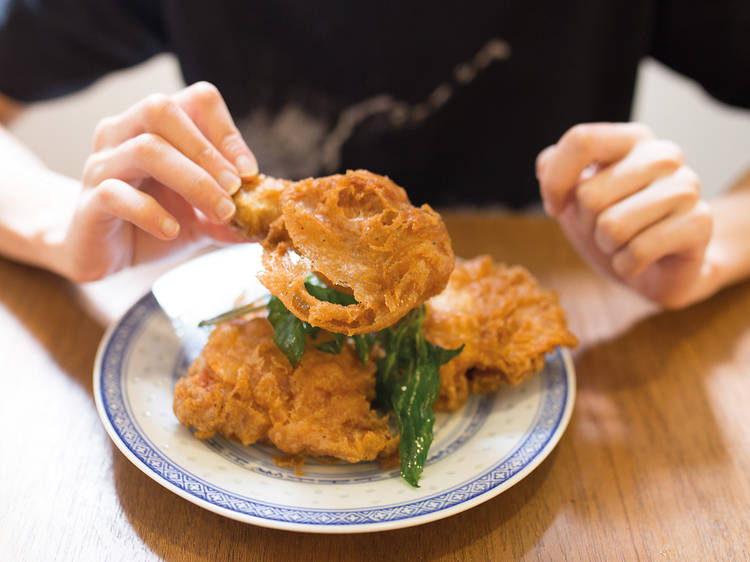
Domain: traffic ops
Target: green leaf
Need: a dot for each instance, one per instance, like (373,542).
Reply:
(442,355)
(333,346)
(408,382)
(363,344)
(320,291)
(289,332)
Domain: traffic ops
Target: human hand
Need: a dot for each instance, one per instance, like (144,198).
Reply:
(631,207)
(160,177)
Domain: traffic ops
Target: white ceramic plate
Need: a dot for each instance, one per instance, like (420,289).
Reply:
(478,452)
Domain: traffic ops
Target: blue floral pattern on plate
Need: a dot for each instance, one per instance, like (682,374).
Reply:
(114,376)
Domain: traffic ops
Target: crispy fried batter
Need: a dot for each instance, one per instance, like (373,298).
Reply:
(257,204)
(507,322)
(243,387)
(360,232)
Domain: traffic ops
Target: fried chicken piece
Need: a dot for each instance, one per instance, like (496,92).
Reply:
(360,232)
(506,321)
(238,386)
(329,410)
(243,387)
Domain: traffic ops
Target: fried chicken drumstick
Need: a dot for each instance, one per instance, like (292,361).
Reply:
(359,232)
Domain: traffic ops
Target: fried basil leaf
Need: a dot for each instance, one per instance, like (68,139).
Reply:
(363,344)
(408,382)
(289,332)
(333,346)
(320,291)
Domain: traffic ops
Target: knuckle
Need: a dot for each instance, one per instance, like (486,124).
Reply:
(147,147)
(92,168)
(589,198)
(671,150)
(155,107)
(608,232)
(232,142)
(207,156)
(101,132)
(637,251)
(689,178)
(105,195)
(205,92)
(665,155)
(703,209)
(579,136)
(704,218)
(686,195)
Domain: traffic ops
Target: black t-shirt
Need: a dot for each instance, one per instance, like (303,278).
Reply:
(452,100)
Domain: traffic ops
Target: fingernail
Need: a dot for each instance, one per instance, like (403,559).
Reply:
(229,181)
(170,227)
(246,166)
(224,209)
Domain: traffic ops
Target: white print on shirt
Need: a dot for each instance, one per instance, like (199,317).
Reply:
(294,143)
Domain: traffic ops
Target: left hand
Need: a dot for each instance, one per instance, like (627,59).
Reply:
(631,207)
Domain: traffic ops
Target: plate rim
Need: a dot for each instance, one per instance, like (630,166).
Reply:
(541,455)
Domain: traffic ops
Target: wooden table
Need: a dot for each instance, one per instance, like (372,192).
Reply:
(654,465)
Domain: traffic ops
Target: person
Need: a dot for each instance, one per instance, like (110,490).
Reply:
(452,105)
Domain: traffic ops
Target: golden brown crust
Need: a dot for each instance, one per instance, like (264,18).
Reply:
(360,232)
(238,386)
(357,230)
(257,203)
(243,387)
(506,321)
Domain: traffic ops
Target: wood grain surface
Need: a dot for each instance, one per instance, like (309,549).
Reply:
(655,464)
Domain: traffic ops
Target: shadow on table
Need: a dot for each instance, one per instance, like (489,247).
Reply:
(48,308)
(174,528)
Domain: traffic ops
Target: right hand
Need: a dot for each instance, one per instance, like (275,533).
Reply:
(160,176)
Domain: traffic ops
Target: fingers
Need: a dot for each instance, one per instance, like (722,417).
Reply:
(686,233)
(630,206)
(616,225)
(218,232)
(204,105)
(149,155)
(560,166)
(160,115)
(117,198)
(645,163)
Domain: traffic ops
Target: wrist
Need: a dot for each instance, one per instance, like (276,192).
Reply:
(53,251)
(728,254)
(34,229)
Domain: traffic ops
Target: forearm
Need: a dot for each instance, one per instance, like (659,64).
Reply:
(36,206)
